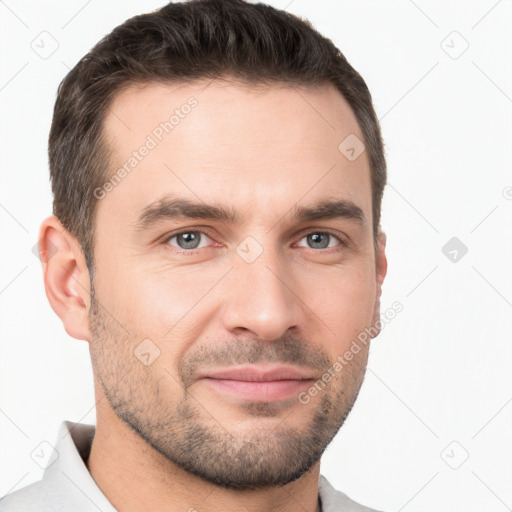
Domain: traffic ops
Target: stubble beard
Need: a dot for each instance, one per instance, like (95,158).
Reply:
(196,440)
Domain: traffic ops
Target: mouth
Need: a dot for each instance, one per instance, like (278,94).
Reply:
(265,384)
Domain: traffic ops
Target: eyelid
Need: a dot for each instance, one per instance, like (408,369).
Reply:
(343,241)
(194,229)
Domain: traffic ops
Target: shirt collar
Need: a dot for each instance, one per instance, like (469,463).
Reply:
(69,484)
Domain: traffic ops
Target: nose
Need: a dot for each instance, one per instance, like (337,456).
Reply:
(261,300)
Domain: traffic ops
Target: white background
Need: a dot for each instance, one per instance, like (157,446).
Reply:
(441,370)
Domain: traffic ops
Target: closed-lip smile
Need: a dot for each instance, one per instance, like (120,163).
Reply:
(258,383)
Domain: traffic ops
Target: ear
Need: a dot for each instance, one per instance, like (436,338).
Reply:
(381,268)
(66,277)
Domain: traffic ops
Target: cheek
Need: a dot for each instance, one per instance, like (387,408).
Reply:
(158,301)
(344,301)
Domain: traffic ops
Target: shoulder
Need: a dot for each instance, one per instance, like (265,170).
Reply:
(30,498)
(334,501)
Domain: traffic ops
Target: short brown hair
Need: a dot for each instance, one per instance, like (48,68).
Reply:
(183,42)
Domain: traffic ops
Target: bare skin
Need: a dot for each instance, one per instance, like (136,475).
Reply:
(167,437)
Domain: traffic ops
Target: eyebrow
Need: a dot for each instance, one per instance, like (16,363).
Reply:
(170,208)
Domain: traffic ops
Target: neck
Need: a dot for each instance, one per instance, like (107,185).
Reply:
(133,476)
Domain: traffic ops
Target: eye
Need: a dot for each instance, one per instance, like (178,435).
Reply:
(192,240)
(188,240)
(322,240)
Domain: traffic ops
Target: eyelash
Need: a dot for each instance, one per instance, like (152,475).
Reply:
(174,249)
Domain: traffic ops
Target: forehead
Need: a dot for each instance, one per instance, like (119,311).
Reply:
(225,142)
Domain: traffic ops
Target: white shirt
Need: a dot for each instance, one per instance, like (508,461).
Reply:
(67,485)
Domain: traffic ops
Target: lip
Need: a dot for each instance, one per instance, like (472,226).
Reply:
(266,384)
(258,373)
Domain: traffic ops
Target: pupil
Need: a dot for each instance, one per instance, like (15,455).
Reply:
(190,240)
(316,239)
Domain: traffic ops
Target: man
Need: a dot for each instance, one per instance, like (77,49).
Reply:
(218,171)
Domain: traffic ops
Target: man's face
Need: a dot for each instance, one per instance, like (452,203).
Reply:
(268,288)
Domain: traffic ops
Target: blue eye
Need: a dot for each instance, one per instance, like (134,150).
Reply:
(192,240)
(321,240)
(188,240)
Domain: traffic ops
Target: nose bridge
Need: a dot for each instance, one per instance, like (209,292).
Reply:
(261,297)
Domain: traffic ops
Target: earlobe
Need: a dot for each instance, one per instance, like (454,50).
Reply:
(66,277)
